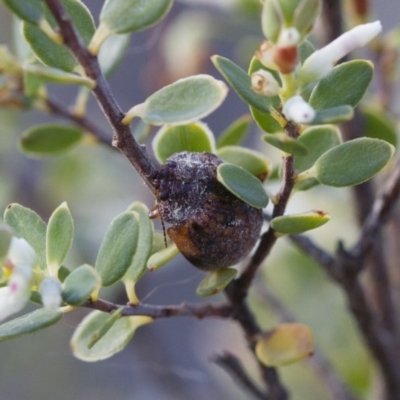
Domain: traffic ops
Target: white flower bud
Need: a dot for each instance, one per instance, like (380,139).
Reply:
(265,54)
(289,37)
(264,83)
(50,291)
(298,110)
(320,63)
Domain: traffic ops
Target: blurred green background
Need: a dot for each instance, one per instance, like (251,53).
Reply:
(170,358)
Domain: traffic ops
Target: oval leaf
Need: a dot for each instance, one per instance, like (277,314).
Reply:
(352,162)
(285,143)
(144,244)
(286,344)
(124,16)
(345,84)
(184,101)
(59,236)
(80,284)
(252,161)
(54,54)
(29,323)
(194,137)
(31,11)
(241,83)
(333,115)
(57,76)
(118,247)
(112,52)
(242,184)
(5,241)
(28,225)
(115,339)
(215,282)
(299,223)
(265,122)
(161,257)
(235,132)
(317,140)
(50,139)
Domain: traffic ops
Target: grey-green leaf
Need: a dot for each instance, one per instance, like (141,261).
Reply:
(334,115)
(265,122)
(112,52)
(50,139)
(161,257)
(241,83)
(242,184)
(29,226)
(215,282)
(194,137)
(54,54)
(80,284)
(294,224)
(353,162)
(31,11)
(5,240)
(184,101)
(29,323)
(113,341)
(346,84)
(235,132)
(118,247)
(123,16)
(59,237)
(144,244)
(285,143)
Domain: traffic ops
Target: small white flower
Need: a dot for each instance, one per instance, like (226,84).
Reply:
(50,291)
(21,252)
(320,63)
(264,83)
(298,110)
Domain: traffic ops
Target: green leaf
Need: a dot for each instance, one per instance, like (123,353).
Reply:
(215,282)
(305,50)
(265,122)
(124,16)
(112,51)
(114,340)
(235,132)
(351,163)
(118,247)
(182,102)
(317,140)
(50,139)
(346,84)
(162,257)
(379,125)
(144,244)
(62,273)
(28,225)
(32,84)
(80,284)
(285,143)
(5,241)
(252,161)
(59,237)
(54,54)
(29,323)
(298,223)
(241,83)
(334,115)
(305,15)
(286,344)
(194,137)
(242,184)
(58,76)
(30,11)
(271,21)
(103,329)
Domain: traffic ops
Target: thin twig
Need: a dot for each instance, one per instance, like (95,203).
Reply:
(200,310)
(123,138)
(234,367)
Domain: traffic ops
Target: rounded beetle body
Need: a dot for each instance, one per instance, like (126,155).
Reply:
(211,227)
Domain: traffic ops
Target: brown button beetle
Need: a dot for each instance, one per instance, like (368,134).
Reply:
(211,227)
